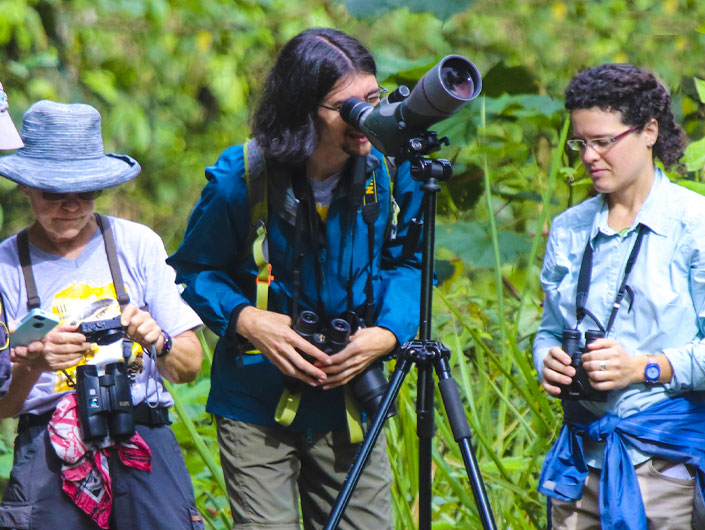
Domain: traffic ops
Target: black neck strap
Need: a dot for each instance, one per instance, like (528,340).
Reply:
(33,300)
(584,279)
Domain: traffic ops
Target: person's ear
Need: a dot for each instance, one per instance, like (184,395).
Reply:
(650,132)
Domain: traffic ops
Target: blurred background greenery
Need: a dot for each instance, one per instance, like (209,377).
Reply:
(175,82)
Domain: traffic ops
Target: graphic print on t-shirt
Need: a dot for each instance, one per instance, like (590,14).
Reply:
(82,302)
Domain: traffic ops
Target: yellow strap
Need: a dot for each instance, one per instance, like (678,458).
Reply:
(264,269)
(288,407)
(352,414)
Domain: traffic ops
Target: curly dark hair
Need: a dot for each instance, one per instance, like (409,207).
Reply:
(306,70)
(637,95)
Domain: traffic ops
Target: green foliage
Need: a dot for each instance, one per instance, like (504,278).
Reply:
(175,81)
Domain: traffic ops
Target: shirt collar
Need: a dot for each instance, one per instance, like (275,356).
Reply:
(651,214)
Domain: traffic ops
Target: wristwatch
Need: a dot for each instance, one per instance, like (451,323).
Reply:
(652,371)
(167,344)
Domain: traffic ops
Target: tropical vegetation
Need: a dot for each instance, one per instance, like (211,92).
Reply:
(175,81)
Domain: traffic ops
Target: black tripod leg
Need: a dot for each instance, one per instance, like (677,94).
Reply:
(425,427)
(461,432)
(400,372)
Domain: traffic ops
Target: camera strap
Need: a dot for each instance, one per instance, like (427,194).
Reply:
(584,278)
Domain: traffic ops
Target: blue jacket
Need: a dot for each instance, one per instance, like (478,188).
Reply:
(215,263)
(673,429)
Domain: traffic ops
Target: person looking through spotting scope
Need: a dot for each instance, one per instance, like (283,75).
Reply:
(304,224)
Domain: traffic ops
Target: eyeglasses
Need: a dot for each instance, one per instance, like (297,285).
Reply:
(58,197)
(373,99)
(599,145)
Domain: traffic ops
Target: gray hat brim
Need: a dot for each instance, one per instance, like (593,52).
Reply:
(69,176)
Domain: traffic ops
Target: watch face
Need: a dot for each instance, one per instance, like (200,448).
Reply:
(652,372)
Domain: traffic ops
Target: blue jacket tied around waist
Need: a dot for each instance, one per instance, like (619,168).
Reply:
(215,263)
(673,429)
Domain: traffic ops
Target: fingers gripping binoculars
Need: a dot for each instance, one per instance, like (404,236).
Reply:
(369,386)
(580,387)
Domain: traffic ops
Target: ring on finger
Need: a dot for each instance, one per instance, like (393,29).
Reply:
(603,365)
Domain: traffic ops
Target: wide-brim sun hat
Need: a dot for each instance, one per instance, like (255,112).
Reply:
(9,137)
(63,151)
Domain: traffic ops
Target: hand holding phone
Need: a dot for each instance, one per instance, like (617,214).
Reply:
(33,326)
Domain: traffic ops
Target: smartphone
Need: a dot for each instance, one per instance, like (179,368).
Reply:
(32,327)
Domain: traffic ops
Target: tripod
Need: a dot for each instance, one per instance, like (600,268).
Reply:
(427,355)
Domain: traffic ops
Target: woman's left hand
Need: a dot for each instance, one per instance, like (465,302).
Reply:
(609,366)
(366,346)
(140,326)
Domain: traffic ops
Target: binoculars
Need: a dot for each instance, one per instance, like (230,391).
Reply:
(580,387)
(104,401)
(369,386)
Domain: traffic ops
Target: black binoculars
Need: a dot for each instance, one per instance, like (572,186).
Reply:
(580,387)
(105,401)
(369,386)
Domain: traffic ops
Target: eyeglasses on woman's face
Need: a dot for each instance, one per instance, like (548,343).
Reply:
(58,197)
(599,145)
(373,98)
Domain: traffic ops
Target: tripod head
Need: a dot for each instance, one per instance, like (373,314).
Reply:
(425,169)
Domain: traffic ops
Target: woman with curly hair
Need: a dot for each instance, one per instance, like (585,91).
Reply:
(628,267)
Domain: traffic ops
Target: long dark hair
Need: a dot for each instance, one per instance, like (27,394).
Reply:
(637,95)
(306,70)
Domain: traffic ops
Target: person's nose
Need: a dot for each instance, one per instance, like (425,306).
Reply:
(589,154)
(71,203)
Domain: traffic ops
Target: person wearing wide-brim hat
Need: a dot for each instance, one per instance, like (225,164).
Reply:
(69,268)
(9,137)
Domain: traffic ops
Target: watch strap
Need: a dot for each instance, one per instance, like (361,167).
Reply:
(167,344)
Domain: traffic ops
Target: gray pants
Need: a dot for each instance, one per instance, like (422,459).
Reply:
(268,471)
(158,500)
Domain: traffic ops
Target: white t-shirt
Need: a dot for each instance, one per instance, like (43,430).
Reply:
(81,289)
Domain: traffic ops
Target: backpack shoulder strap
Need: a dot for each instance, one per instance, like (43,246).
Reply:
(256,180)
(258,204)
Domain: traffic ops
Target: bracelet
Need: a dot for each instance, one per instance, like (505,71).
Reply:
(167,345)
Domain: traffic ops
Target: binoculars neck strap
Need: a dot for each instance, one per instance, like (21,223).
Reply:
(584,278)
(33,300)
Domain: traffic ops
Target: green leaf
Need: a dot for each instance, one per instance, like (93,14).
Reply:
(471,242)
(694,157)
(700,87)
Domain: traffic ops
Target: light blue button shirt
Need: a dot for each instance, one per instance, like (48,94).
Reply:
(667,313)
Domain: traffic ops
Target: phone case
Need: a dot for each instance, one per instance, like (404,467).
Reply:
(34,326)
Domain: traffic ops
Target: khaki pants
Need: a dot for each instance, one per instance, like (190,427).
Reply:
(668,501)
(269,470)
